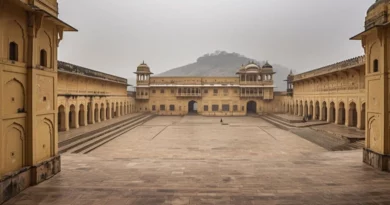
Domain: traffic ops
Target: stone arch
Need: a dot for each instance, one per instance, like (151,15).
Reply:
(61,118)
(121,108)
(317,111)
(117,110)
(373,133)
(108,111)
(89,113)
(112,110)
(300,108)
(96,112)
(332,112)
(363,117)
(46,142)
(15,33)
(81,115)
(306,109)
(102,114)
(72,117)
(373,57)
(15,97)
(324,111)
(352,115)
(341,114)
(14,153)
(311,108)
(45,44)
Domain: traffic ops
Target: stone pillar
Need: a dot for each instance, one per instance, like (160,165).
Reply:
(85,116)
(329,114)
(359,116)
(66,118)
(92,113)
(337,113)
(76,116)
(347,115)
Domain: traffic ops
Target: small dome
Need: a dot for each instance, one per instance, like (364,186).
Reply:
(377,2)
(143,67)
(251,66)
(267,65)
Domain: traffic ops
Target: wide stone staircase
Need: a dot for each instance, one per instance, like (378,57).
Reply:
(323,139)
(89,141)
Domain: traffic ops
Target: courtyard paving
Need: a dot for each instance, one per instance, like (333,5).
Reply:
(196,160)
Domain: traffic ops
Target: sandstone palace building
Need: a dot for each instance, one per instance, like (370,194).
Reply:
(41,96)
(251,91)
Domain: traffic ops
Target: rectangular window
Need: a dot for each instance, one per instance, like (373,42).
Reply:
(206,108)
(235,108)
(172,107)
(215,108)
(172,91)
(153,107)
(215,91)
(153,91)
(162,107)
(162,91)
(206,91)
(225,107)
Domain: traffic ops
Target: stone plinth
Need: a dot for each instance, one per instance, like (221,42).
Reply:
(376,160)
(15,182)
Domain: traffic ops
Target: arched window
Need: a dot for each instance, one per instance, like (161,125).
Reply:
(376,66)
(43,61)
(13,51)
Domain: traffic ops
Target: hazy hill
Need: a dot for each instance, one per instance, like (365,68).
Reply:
(221,63)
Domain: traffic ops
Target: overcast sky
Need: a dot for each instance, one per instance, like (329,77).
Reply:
(117,35)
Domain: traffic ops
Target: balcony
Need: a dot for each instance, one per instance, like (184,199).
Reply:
(188,94)
(251,95)
(142,97)
(264,82)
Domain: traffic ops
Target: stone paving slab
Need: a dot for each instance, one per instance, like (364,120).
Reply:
(196,160)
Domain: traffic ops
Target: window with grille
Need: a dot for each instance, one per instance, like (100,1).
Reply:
(206,108)
(43,61)
(225,107)
(153,107)
(206,91)
(162,107)
(376,65)
(172,107)
(13,51)
(162,91)
(235,108)
(153,91)
(215,108)
(215,91)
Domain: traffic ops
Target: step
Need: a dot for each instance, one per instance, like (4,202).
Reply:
(87,137)
(277,123)
(287,120)
(66,142)
(91,142)
(97,145)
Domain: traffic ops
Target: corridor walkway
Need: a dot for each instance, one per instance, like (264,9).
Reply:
(196,160)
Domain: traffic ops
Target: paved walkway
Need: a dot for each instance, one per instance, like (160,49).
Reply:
(196,160)
(62,136)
